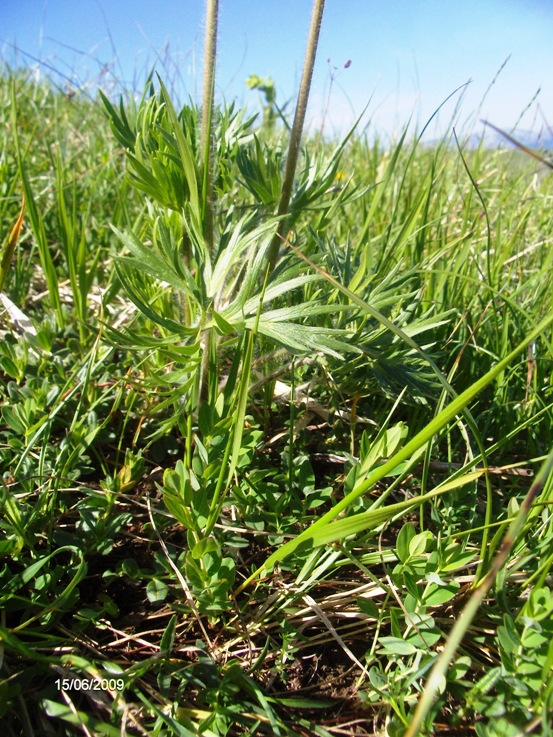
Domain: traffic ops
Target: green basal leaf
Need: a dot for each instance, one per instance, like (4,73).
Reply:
(396,646)
(156,591)
(204,546)
(406,534)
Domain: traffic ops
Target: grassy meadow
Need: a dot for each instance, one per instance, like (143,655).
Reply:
(270,467)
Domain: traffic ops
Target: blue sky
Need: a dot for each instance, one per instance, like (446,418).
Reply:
(406,56)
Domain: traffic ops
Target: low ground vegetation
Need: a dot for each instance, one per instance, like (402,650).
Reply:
(236,499)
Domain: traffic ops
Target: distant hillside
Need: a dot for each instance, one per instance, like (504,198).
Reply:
(542,140)
(539,140)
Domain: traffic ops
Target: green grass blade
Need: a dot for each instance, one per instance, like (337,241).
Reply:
(37,223)
(423,437)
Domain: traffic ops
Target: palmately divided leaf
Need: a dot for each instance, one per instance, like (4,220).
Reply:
(302,339)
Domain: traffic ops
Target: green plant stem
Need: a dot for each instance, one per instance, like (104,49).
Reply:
(210,55)
(297,129)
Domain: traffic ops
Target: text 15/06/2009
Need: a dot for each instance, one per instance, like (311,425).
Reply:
(84,684)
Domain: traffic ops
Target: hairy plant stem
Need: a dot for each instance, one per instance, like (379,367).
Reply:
(210,53)
(296,132)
